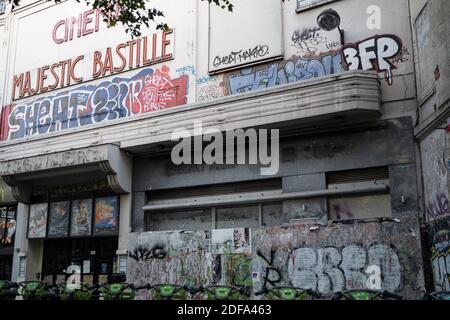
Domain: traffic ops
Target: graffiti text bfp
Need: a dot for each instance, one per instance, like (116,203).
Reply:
(375,53)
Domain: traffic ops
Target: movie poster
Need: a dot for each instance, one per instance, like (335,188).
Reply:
(8,237)
(58,224)
(3,219)
(81,218)
(106,216)
(37,221)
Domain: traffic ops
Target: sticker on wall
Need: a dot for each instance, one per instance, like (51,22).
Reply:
(106,216)
(59,219)
(37,221)
(81,218)
(230,241)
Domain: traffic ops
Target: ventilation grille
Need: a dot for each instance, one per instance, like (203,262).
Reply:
(359,175)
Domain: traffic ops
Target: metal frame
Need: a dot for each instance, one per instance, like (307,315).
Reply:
(263,198)
(311,6)
(94,195)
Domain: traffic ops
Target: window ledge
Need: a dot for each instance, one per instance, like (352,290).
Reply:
(262,198)
(312,6)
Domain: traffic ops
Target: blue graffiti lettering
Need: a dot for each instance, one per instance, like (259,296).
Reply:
(282,73)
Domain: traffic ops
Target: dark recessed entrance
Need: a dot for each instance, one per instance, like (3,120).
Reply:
(95,257)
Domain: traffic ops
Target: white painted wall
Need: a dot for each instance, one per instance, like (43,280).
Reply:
(31,43)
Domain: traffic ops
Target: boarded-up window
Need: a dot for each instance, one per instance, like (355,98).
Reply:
(362,207)
(272,215)
(189,220)
(252,216)
(238,217)
(242,37)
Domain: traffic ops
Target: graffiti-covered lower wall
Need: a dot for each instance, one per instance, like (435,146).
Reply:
(435,153)
(377,255)
(435,166)
(439,253)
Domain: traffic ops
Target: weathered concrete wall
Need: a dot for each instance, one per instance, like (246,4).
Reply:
(377,254)
(431,26)
(435,166)
(435,157)
(5,193)
(385,143)
(306,159)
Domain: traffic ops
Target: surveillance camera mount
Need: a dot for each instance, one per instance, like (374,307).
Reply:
(329,20)
(341,33)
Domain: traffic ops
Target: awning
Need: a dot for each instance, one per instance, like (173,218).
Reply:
(104,160)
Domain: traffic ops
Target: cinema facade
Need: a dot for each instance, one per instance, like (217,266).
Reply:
(86,127)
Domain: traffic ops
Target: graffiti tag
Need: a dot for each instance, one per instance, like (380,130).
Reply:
(149,90)
(241,56)
(146,254)
(282,73)
(376,53)
(440,258)
(272,274)
(440,208)
(330,270)
(308,40)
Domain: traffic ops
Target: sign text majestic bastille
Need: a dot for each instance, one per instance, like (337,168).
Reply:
(136,53)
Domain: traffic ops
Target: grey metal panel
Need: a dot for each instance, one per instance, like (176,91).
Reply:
(385,143)
(304,182)
(404,200)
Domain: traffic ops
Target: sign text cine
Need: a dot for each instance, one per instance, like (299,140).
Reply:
(136,53)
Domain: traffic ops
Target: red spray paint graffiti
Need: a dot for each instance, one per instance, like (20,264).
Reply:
(4,128)
(161,92)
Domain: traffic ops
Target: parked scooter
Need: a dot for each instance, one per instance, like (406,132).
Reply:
(38,290)
(289,293)
(440,295)
(71,292)
(8,290)
(226,292)
(171,291)
(366,295)
(118,289)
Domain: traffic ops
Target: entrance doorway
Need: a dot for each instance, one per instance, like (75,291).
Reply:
(6,267)
(95,258)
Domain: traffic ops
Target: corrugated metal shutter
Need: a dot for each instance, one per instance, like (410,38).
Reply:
(359,175)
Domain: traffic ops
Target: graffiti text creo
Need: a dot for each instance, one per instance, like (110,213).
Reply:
(330,270)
